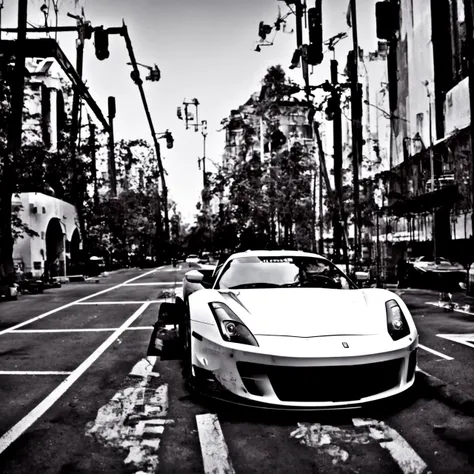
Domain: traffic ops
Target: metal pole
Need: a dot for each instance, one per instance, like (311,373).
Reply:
(204,177)
(92,131)
(321,222)
(139,82)
(433,222)
(377,258)
(75,124)
(8,174)
(337,131)
(112,169)
(42,29)
(356,112)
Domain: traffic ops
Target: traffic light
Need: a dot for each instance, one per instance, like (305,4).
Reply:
(331,108)
(386,14)
(169,140)
(264,30)
(179,113)
(101,43)
(315,28)
(111,107)
(155,74)
(314,55)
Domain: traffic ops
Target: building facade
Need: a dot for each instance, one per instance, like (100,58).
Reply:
(427,190)
(56,248)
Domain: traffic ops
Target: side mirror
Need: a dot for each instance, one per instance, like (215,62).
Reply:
(194,276)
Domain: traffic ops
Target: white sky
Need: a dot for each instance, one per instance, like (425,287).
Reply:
(204,49)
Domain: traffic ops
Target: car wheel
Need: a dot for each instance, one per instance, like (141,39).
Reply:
(185,336)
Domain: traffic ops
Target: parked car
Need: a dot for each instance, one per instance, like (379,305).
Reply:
(8,292)
(268,325)
(440,273)
(192,258)
(27,283)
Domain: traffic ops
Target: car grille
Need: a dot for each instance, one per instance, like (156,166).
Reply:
(324,384)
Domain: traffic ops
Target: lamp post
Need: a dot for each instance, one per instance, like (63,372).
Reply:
(432,173)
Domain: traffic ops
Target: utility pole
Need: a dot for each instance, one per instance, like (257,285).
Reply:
(76,103)
(14,145)
(92,132)
(432,185)
(136,78)
(337,140)
(321,221)
(112,170)
(356,116)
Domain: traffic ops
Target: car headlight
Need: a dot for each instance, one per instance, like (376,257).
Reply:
(230,326)
(396,323)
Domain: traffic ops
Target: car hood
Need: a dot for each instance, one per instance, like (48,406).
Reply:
(309,312)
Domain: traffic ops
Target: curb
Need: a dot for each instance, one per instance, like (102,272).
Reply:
(452,396)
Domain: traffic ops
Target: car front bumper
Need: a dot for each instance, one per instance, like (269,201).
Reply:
(245,376)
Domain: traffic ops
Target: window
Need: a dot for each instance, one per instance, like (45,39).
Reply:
(282,271)
(37,265)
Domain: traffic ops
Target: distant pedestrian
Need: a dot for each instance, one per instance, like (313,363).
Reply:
(402,272)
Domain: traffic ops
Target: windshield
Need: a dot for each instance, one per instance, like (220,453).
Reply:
(282,272)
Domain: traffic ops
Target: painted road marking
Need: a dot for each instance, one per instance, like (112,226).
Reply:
(134,419)
(144,368)
(33,372)
(55,310)
(47,331)
(39,331)
(404,455)
(466,339)
(158,283)
(326,439)
(457,309)
(215,453)
(17,430)
(439,354)
(97,303)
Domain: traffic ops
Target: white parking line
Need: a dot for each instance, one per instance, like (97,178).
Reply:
(55,310)
(158,283)
(439,354)
(465,339)
(215,453)
(33,372)
(404,455)
(52,331)
(104,303)
(17,430)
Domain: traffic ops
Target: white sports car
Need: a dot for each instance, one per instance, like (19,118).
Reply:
(289,329)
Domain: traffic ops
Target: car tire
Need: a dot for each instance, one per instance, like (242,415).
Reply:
(185,336)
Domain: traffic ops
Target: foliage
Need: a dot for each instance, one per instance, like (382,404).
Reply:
(261,203)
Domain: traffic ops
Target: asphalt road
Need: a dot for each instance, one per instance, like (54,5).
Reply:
(78,395)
